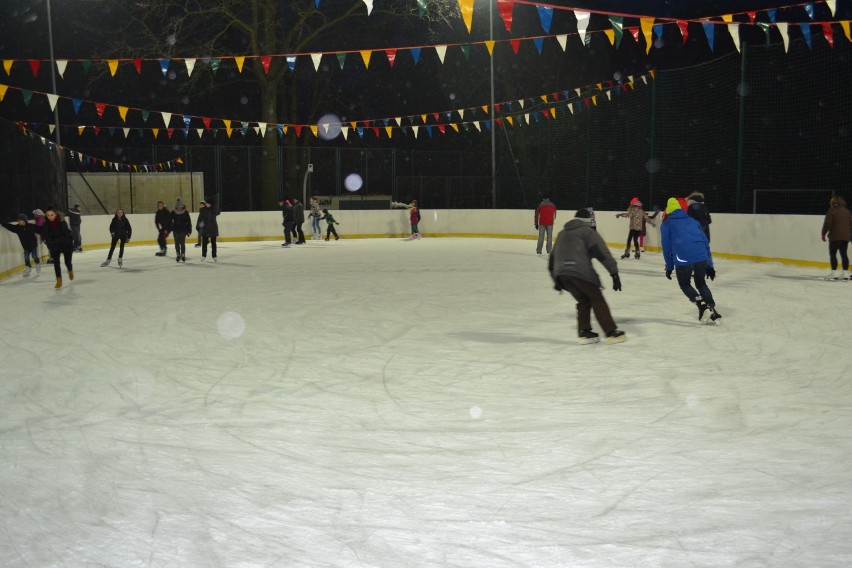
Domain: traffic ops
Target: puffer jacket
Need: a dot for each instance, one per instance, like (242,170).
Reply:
(683,241)
(838,223)
(576,245)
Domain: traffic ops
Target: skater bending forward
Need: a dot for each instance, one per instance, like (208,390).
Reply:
(686,250)
(571,268)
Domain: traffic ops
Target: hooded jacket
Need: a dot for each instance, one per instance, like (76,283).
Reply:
(576,245)
(838,221)
(683,241)
(120,228)
(545,213)
(180,221)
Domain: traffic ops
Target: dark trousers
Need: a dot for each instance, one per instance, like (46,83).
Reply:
(633,235)
(289,231)
(698,272)
(161,239)
(68,253)
(180,244)
(299,233)
(78,239)
(838,246)
(330,231)
(589,297)
(33,252)
(204,240)
(120,248)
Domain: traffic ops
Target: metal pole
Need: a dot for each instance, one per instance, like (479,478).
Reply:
(741,128)
(493,118)
(60,153)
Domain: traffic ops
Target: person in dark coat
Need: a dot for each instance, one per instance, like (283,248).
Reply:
(59,241)
(28,236)
(298,221)
(197,221)
(570,266)
(163,222)
(120,231)
(696,209)
(181,225)
(209,228)
(75,219)
(288,222)
(686,251)
(836,228)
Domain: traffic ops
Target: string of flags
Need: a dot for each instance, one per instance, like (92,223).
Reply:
(647,27)
(545,106)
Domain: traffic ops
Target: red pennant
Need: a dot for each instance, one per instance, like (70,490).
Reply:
(34,65)
(170,131)
(684,29)
(367,123)
(635,33)
(97,130)
(515,43)
(298,128)
(206,121)
(435,116)
(505,8)
(828,32)
(100,107)
(497,107)
(138,64)
(555,97)
(376,131)
(442,128)
(499,122)
(391,53)
(586,103)
(265,60)
(751,16)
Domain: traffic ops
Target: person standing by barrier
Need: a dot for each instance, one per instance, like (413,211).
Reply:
(163,222)
(413,218)
(60,242)
(287,222)
(315,219)
(209,228)
(197,221)
(28,236)
(837,226)
(299,220)
(74,222)
(545,216)
(181,225)
(120,231)
(696,209)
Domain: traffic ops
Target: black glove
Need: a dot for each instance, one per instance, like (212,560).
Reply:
(711,272)
(669,273)
(616,283)
(536,228)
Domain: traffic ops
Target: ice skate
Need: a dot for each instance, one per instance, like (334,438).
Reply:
(833,276)
(844,276)
(106,262)
(587,337)
(703,309)
(626,254)
(616,336)
(27,271)
(70,275)
(641,250)
(160,253)
(183,259)
(215,259)
(120,262)
(715,316)
(177,259)
(203,258)
(38,268)
(58,284)
(636,255)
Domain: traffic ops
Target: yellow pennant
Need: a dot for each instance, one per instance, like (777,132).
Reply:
(123,112)
(3,91)
(314,130)
(455,126)
(156,132)
(423,117)
(595,100)
(7,65)
(845,25)
(113,66)
(728,18)
(227,123)
(610,34)
(240,61)
(228,131)
(647,25)
(466,7)
(485,108)
(490,46)
(553,112)
(80,130)
(544,98)
(510,120)
(365,55)
(389,130)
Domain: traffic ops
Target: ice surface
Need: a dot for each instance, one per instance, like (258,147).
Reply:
(385,403)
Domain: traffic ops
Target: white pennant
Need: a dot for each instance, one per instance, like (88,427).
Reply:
(262,126)
(442,52)
(369,4)
(398,121)
(521,102)
(571,107)
(782,27)
(345,131)
(61,64)
(167,117)
(645,77)
(609,95)
(416,130)
(316,58)
(734,30)
(563,41)
(126,132)
(256,130)
(52,100)
(527,117)
(200,132)
(190,65)
(52,128)
(582,24)
(832,4)
(476,125)
(461,113)
(577,90)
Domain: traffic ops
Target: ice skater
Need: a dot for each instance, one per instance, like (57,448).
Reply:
(28,236)
(570,266)
(329,219)
(209,228)
(315,219)
(837,226)
(696,209)
(636,216)
(163,223)
(60,242)
(75,220)
(181,225)
(545,216)
(686,251)
(119,231)
(414,219)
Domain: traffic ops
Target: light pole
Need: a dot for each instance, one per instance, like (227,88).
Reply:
(493,118)
(60,153)
(308,172)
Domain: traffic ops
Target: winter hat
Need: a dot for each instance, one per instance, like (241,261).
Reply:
(672,205)
(585,214)
(22,217)
(634,201)
(38,212)
(179,206)
(695,196)
(286,202)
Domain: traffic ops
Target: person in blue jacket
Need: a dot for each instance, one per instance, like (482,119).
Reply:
(686,251)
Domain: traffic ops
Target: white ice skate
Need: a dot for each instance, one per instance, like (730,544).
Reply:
(833,276)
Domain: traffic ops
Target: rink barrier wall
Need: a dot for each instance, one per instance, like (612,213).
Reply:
(787,239)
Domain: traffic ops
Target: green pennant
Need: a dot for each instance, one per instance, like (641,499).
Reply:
(466,51)
(86,64)
(765,27)
(214,64)
(341,59)
(28,95)
(617,23)
(145,115)
(421,5)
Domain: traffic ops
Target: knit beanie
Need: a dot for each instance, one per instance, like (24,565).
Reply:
(672,205)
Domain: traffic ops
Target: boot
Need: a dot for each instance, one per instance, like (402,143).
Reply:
(71,275)
(616,336)
(715,316)
(27,271)
(626,254)
(833,276)
(58,282)
(587,336)
(844,275)
(177,258)
(38,268)
(636,256)
(120,262)
(183,258)
(702,309)
(106,262)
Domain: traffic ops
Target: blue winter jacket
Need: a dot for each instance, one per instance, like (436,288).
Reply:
(684,242)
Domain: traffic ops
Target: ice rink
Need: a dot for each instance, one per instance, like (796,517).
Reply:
(384,403)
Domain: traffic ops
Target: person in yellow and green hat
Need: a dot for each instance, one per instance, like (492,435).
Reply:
(686,252)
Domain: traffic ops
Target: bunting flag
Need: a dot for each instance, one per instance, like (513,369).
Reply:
(365,55)
(391,55)
(785,37)
(341,59)
(505,7)
(113,66)
(709,31)
(545,16)
(828,33)
(77,103)
(441,50)
(421,5)
(515,43)
(291,63)
(51,98)
(100,108)
(684,30)
(846,31)
(61,65)
(562,40)
(466,8)
(617,23)
(832,4)
(35,64)
(806,31)
(489,45)
(316,58)
(582,24)
(3,89)
(122,112)
(240,61)
(164,66)
(647,24)
(167,118)
(734,30)
(7,65)
(369,4)
(415,54)
(190,65)
(137,63)
(265,61)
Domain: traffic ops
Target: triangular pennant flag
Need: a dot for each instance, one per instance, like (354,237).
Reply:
(785,36)
(454,126)
(527,117)
(389,130)
(461,113)
(465,49)
(206,121)
(751,16)
(441,50)
(828,33)
(61,64)
(515,43)
(137,63)
(7,65)
(477,126)
(169,133)
(416,129)
(51,98)
(846,31)
(314,130)
(80,130)
(262,126)
(365,55)
(510,120)
(145,115)
(156,132)
(167,117)
(190,65)
(647,25)
(832,4)
(398,121)
(214,64)
(265,61)
(727,18)
(122,112)
(635,33)
(489,45)
(391,55)
(485,109)
(522,102)
(113,66)
(375,130)
(563,40)
(240,61)
(415,54)
(86,65)
(466,7)
(684,30)
(187,118)
(505,8)
(100,107)
(610,35)
(545,15)
(164,66)
(765,27)
(341,59)
(34,65)
(126,132)
(582,24)
(316,58)
(809,8)
(538,42)
(442,128)
(734,30)
(76,103)
(3,89)
(709,31)
(609,95)
(291,63)
(806,31)
(771,13)
(369,4)
(345,131)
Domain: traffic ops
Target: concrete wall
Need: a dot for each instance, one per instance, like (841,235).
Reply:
(764,238)
(114,191)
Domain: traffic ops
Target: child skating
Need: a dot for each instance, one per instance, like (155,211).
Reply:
(28,236)
(329,218)
(120,231)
